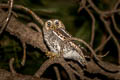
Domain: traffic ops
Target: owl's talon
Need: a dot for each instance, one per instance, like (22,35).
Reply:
(51,54)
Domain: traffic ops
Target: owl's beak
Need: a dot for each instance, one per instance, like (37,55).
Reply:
(54,27)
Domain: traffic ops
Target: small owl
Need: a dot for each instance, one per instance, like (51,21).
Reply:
(55,35)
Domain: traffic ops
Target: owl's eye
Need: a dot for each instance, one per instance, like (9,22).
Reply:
(56,22)
(49,23)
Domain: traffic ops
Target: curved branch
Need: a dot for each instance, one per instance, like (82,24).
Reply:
(5,23)
(113,36)
(20,7)
(103,44)
(57,60)
(24,53)
(93,26)
(113,18)
(11,66)
(57,73)
(115,25)
(25,33)
(97,60)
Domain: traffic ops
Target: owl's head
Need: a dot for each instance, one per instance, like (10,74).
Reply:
(53,24)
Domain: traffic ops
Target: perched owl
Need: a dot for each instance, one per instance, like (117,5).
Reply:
(55,35)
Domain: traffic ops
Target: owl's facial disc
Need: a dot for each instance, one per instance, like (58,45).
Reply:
(58,24)
(49,25)
(53,24)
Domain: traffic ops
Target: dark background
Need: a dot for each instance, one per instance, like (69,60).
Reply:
(77,24)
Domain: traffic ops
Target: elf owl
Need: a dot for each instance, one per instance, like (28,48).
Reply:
(55,35)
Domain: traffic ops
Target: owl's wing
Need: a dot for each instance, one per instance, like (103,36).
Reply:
(84,50)
(64,32)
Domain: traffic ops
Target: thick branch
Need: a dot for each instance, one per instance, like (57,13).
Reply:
(5,75)
(24,33)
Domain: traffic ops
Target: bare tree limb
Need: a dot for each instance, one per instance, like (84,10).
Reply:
(6,21)
(25,33)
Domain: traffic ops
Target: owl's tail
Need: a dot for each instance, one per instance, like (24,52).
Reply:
(82,61)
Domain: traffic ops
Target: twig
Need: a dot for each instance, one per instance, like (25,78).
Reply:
(101,56)
(5,23)
(77,70)
(113,36)
(93,26)
(114,23)
(31,24)
(111,12)
(24,53)
(100,12)
(80,9)
(97,60)
(76,73)
(57,60)
(28,35)
(38,19)
(102,44)
(11,66)
(82,41)
(82,4)
(94,7)
(57,73)
(113,18)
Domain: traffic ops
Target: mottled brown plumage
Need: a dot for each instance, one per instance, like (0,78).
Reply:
(55,36)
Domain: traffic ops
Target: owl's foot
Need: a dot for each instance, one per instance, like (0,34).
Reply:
(52,54)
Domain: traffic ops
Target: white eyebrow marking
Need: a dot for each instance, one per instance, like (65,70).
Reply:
(49,21)
(56,20)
